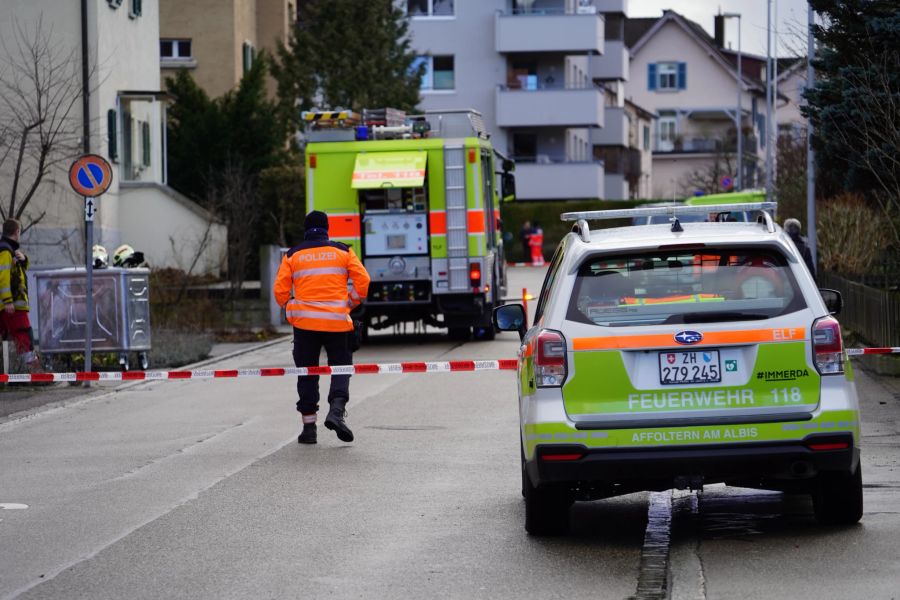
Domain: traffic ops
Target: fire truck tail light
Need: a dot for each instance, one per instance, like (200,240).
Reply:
(475,274)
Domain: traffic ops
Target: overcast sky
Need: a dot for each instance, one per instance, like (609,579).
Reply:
(791,20)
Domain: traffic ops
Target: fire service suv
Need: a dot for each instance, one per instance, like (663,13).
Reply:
(416,198)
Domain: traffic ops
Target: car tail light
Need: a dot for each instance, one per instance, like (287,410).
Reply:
(312,161)
(569,456)
(829,446)
(550,365)
(828,347)
(475,275)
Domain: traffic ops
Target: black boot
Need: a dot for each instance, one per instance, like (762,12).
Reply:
(335,420)
(308,435)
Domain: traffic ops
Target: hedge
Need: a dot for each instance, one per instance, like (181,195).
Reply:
(513,214)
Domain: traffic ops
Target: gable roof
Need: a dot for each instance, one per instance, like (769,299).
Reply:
(696,32)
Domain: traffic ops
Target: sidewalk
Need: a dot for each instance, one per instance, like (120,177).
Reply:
(16,400)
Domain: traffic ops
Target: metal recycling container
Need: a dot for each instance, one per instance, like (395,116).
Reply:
(121,319)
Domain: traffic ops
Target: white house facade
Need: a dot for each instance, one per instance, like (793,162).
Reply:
(127,127)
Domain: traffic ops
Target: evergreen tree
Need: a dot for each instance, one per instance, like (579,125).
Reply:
(854,107)
(217,150)
(347,54)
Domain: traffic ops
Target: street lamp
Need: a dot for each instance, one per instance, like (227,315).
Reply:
(738,116)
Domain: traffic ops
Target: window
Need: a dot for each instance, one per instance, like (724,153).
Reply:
(175,49)
(439,72)
(249,55)
(112,135)
(667,76)
(429,8)
(667,126)
(646,137)
(683,287)
(136,9)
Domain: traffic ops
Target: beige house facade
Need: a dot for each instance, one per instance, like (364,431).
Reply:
(690,82)
(127,127)
(218,40)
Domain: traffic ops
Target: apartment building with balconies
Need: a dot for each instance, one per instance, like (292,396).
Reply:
(689,79)
(543,73)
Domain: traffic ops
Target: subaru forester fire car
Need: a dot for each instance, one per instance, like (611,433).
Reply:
(678,355)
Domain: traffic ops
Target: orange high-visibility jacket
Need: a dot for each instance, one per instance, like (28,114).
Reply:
(327,279)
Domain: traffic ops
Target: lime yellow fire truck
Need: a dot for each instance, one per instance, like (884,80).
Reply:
(416,199)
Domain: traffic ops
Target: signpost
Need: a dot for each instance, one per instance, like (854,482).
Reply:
(726,182)
(90,176)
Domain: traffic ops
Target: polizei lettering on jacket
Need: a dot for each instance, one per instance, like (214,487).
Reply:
(690,399)
(316,256)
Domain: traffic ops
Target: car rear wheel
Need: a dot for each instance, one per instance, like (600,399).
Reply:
(546,509)
(838,498)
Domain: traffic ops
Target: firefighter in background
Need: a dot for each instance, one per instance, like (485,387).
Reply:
(536,243)
(14,322)
(327,280)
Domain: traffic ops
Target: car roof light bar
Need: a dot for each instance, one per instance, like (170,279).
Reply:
(670,211)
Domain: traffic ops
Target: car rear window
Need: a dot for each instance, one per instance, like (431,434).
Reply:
(701,285)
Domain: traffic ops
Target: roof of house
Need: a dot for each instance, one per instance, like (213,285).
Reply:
(641,30)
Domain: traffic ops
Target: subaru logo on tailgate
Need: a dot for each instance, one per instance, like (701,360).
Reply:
(688,337)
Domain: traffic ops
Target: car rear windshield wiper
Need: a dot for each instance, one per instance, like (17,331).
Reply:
(712,317)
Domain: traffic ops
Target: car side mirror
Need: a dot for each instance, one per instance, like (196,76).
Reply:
(510,317)
(508,187)
(833,300)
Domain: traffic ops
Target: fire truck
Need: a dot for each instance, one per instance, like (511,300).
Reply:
(416,198)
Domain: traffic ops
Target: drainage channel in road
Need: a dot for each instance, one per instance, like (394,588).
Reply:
(671,565)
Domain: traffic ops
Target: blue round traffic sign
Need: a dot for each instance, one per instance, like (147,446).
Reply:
(90,175)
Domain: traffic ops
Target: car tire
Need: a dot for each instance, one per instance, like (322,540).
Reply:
(546,509)
(484,334)
(459,333)
(838,498)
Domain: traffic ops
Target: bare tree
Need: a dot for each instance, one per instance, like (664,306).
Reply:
(708,178)
(235,200)
(869,92)
(40,88)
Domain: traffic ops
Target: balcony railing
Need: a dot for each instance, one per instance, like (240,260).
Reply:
(544,179)
(548,30)
(549,107)
(613,64)
(704,145)
(615,128)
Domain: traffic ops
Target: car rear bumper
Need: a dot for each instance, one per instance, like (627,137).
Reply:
(794,460)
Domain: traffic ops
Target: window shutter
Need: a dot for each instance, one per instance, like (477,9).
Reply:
(651,76)
(682,76)
(145,143)
(112,134)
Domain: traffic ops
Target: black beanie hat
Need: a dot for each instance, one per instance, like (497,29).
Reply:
(316,220)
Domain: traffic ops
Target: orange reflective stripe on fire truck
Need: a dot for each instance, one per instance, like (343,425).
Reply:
(437,222)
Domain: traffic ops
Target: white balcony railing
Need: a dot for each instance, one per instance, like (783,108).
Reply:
(548,31)
(559,180)
(576,107)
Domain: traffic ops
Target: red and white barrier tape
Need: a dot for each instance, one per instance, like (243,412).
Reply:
(858,351)
(361,369)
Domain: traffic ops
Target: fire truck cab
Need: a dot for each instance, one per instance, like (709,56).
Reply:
(416,198)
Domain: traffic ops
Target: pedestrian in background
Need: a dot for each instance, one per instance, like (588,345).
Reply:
(792,228)
(318,283)
(14,321)
(524,235)
(536,243)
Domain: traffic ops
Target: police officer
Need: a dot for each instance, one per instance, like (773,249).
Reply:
(327,280)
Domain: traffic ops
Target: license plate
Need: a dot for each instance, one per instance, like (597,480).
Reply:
(693,366)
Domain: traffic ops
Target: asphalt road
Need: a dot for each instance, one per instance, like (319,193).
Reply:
(198,489)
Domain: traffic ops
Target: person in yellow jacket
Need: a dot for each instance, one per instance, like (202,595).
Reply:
(14,322)
(318,283)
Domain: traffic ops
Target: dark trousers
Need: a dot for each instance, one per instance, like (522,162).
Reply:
(307,347)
